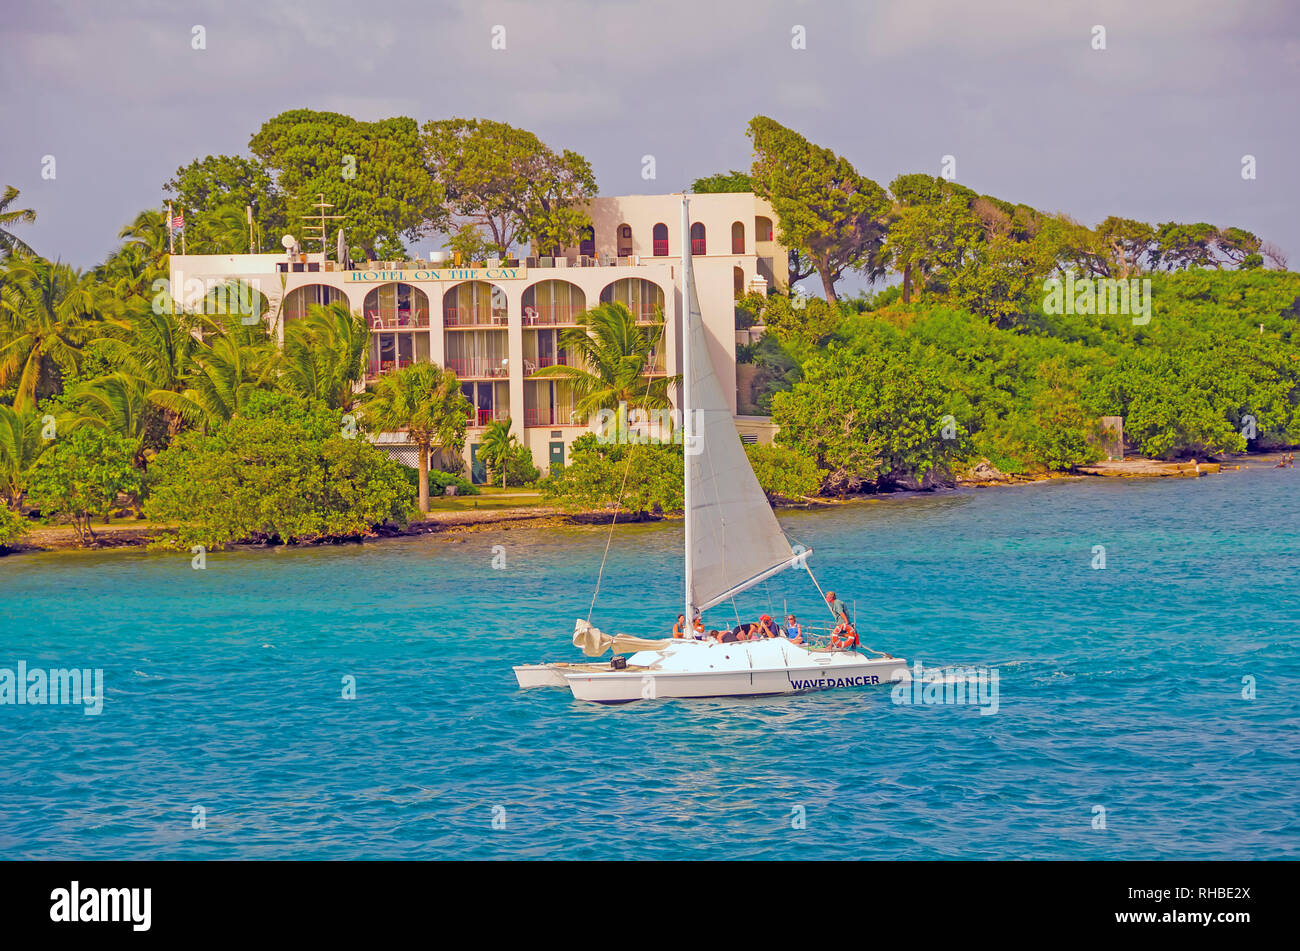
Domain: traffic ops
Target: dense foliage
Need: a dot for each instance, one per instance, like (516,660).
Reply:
(284,470)
(630,478)
(78,479)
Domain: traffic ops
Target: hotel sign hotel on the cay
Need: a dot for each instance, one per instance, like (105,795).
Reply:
(442,274)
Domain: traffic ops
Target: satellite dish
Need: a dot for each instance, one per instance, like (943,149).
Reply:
(289,242)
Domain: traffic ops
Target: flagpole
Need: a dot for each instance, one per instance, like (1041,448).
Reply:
(183,251)
(171,235)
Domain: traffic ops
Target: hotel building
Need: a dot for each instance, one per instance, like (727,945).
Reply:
(496,325)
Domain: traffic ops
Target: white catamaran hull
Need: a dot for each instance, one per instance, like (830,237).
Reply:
(694,669)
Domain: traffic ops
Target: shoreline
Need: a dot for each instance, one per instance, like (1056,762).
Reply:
(128,537)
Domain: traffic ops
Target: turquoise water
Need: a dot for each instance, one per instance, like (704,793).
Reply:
(1119,688)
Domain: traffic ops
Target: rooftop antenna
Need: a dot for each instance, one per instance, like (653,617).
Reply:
(319,220)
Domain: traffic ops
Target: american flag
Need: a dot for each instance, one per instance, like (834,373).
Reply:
(178,221)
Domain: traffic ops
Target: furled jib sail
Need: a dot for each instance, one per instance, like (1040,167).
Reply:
(734,537)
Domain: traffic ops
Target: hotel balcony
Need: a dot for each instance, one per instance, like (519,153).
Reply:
(401,319)
(470,368)
(551,315)
(383,367)
(550,416)
(466,317)
(482,417)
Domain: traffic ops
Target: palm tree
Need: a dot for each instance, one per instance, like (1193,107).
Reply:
(46,313)
(116,402)
(325,354)
(495,448)
(21,444)
(157,351)
(231,361)
(426,401)
(148,236)
(10,243)
(613,353)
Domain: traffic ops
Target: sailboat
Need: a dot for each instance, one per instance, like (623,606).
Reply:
(733,542)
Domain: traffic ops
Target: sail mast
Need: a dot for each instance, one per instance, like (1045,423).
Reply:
(685,403)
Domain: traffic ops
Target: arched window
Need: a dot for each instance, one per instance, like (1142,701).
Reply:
(624,241)
(697,239)
(587,242)
(661,240)
(738,281)
(638,295)
(552,302)
(396,305)
(300,298)
(474,303)
(762,229)
(738,238)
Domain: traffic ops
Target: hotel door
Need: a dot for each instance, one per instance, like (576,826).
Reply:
(477,467)
(557,455)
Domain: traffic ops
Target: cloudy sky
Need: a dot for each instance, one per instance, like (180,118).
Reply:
(1153,127)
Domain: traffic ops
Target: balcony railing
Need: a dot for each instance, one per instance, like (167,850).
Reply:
(533,364)
(470,367)
(483,417)
(545,416)
(661,248)
(378,369)
(467,317)
(403,317)
(548,315)
(697,246)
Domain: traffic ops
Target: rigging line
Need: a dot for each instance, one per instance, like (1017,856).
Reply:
(829,608)
(613,521)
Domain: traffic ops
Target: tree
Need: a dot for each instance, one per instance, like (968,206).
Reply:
(633,478)
(371,172)
(732,181)
(784,473)
(611,353)
(282,471)
(495,447)
(46,312)
(325,354)
(229,363)
(22,440)
(215,191)
(868,417)
(80,476)
(932,231)
(12,527)
(823,206)
(508,182)
(10,243)
(426,402)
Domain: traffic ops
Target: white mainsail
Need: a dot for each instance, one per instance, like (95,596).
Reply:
(733,539)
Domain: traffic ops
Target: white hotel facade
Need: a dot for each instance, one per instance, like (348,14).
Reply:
(495,326)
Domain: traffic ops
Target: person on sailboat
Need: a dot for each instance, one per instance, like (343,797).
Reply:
(767,627)
(837,608)
(680,626)
(793,630)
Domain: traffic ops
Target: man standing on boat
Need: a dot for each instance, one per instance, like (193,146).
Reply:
(844,635)
(837,608)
